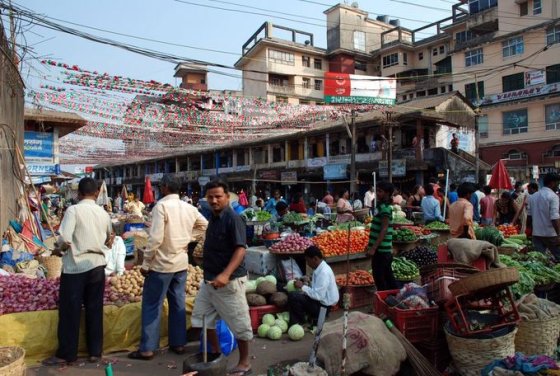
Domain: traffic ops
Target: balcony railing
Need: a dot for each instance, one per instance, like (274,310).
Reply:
(281,89)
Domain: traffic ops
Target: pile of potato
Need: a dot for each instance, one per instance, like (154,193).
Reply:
(195,276)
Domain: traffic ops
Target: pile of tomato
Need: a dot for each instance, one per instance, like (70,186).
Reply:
(508,230)
(335,243)
(356,278)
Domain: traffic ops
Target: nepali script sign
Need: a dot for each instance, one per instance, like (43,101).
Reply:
(38,146)
(342,88)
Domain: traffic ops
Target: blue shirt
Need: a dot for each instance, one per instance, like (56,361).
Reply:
(453,196)
(476,211)
(271,206)
(431,209)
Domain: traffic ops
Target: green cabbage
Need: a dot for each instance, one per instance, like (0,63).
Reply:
(296,332)
(274,332)
(263,330)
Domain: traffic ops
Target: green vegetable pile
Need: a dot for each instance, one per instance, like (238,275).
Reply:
(292,218)
(534,270)
(344,226)
(404,235)
(437,225)
(263,216)
(402,221)
(404,270)
(490,234)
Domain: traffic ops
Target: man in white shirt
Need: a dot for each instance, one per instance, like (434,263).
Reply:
(323,291)
(115,258)
(369,198)
(544,211)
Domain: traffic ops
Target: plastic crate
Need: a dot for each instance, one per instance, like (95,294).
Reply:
(360,296)
(415,324)
(444,256)
(437,281)
(257,313)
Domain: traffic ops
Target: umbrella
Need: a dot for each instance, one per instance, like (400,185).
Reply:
(500,177)
(124,193)
(103,198)
(148,193)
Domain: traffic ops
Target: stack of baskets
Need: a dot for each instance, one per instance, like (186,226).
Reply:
(12,361)
(538,337)
(53,265)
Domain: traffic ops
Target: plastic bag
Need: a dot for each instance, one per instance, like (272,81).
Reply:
(291,269)
(228,343)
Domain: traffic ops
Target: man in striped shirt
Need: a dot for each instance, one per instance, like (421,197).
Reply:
(381,239)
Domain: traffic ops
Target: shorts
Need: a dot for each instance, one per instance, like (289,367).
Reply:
(228,303)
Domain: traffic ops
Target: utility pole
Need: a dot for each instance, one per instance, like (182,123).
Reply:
(477,132)
(353,176)
(390,148)
(13,34)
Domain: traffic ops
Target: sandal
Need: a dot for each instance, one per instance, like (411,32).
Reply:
(54,361)
(139,356)
(179,350)
(239,372)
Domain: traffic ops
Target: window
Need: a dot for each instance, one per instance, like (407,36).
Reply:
(464,36)
(450,88)
(513,46)
(281,100)
(483,126)
(442,89)
(405,58)
(552,116)
(553,152)
(318,64)
(390,60)
(476,6)
(359,40)
(306,61)
(537,7)
(515,122)
(524,9)
(306,82)
(318,84)
(474,57)
(420,56)
(513,82)
(360,65)
(281,57)
(420,94)
(441,50)
(514,154)
(432,91)
(434,52)
(470,91)
(553,74)
(553,35)
(276,80)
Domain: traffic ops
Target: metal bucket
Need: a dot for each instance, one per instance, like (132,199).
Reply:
(214,367)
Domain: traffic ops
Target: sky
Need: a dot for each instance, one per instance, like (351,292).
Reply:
(195,23)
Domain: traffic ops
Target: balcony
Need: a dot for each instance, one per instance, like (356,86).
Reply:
(482,39)
(485,21)
(280,89)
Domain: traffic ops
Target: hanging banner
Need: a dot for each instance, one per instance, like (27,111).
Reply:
(535,77)
(38,146)
(335,171)
(43,169)
(342,88)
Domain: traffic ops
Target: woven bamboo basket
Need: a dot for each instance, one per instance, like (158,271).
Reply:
(140,242)
(53,264)
(538,337)
(472,355)
(12,361)
(491,279)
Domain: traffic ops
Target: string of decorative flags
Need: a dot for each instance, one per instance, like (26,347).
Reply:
(131,119)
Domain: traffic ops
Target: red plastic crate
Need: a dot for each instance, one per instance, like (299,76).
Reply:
(257,313)
(444,256)
(437,281)
(360,296)
(415,324)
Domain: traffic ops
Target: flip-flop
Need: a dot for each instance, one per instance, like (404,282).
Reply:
(54,361)
(138,356)
(239,372)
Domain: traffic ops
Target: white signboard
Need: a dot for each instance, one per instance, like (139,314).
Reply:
(535,77)
(317,162)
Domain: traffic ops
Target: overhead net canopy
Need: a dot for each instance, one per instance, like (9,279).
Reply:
(130,119)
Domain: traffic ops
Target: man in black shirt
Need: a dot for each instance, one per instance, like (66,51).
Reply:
(223,291)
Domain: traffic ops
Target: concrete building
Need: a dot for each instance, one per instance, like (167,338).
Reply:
(193,76)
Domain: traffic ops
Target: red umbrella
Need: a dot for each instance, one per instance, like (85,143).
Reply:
(500,177)
(148,193)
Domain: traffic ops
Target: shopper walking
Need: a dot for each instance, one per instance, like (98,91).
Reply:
(461,223)
(85,236)
(543,206)
(175,224)
(223,291)
(369,199)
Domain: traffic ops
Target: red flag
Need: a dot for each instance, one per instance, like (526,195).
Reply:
(148,193)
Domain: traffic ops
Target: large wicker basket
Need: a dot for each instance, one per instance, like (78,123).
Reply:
(140,242)
(12,361)
(472,355)
(53,264)
(495,279)
(538,337)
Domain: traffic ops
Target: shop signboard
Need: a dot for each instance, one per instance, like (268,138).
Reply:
(342,88)
(398,168)
(38,146)
(317,162)
(527,92)
(269,175)
(47,169)
(535,77)
(288,177)
(335,171)
(203,180)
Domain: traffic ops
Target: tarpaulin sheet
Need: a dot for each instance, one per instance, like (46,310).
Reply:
(36,331)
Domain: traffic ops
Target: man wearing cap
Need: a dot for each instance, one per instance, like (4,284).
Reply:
(174,225)
(543,208)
